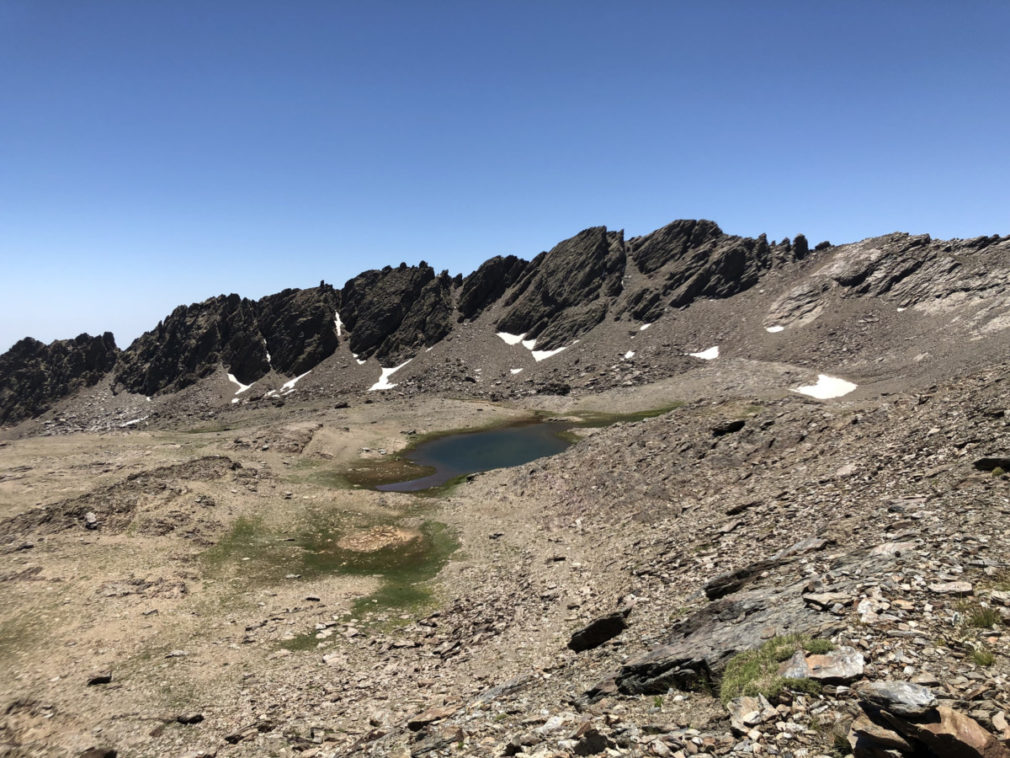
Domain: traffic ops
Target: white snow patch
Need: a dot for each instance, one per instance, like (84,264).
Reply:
(510,339)
(827,387)
(774,329)
(289,385)
(643,327)
(338,323)
(629,355)
(241,387)
(234,400)
(539,355)
(901,310)
(265,350)
(384,383)
(707,355)
(358,360)
(515,371)
(131,422)
(429,349)
(147,399)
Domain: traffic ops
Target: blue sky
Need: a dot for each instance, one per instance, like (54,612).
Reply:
(159,153)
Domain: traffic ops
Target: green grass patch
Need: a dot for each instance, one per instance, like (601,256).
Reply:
(252,553)
(756,672)
(983,656)
(302,642)
(389,470)
(979,616)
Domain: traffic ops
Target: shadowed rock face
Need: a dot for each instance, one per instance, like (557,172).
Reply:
(299,328)
(488,283)
(556,299)
(692,259)
(33,375)
(191,343)
(393,312)
(296,327)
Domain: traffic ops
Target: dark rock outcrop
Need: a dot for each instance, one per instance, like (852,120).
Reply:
(392,312)
(693,259)
(488,283)
(298,327)
(599,631)
(673,242)
(191,343)
(557,298)
(33,375)
(290,332)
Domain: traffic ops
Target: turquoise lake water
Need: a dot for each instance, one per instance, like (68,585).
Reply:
(472,452)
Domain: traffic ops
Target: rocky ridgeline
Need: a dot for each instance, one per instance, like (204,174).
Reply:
(289,332)
(33,375)
(394,313)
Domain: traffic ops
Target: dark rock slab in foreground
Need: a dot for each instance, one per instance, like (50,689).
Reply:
(599,631)
(903,719)
(992,463)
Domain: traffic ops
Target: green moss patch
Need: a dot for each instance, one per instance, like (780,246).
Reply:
(756,672)
(252,553)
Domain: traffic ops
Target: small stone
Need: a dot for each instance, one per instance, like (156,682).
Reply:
(840,666)
(430,716)
(102,677)
(951,588)
(900,698)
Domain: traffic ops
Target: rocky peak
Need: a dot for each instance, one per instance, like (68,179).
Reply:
(390,312)
(298,327)
(559,295)
(673,241)
(931,276)
(488,283)
(33,375)
(289,332)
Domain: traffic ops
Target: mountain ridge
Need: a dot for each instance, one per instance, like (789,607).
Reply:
(393,314)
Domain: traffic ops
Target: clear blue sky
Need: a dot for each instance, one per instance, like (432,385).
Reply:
(157,153)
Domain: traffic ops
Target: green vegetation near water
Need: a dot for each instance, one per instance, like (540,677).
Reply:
(252,553)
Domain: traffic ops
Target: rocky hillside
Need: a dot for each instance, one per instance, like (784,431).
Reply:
(288,332)
(700,286)
(32,374)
